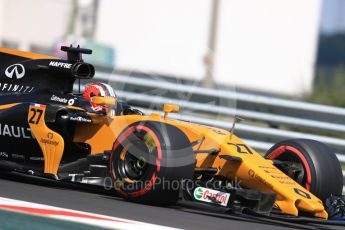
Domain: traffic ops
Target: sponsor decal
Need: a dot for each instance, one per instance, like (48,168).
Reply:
(62,100)
(18,156)
(281,177)
(266,167)
(290,182)
(15,71)
(4,154)
(81,119)
(5,87)
(257,177)
(198,193)
(50,135)
(215,130)
(58,99)
(251,173)
(210,195)
(36,158)
(49,140)
(302,193)
(70,101)
(60,64)
(15,131)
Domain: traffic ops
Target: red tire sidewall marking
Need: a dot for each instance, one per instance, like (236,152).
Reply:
(282,149)
(153,179)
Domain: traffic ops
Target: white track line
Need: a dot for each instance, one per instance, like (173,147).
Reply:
(74,216)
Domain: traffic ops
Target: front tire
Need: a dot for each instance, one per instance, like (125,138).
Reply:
(148,162)
(318,169)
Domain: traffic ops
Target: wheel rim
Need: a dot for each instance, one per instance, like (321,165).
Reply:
(296,168)
(296,172)
(132,167)
(135,157)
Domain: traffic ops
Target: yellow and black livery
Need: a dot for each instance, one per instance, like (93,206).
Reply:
(51,131)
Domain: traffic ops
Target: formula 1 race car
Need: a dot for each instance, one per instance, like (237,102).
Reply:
(92,137)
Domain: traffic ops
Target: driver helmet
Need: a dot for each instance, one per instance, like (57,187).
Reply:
(98,89)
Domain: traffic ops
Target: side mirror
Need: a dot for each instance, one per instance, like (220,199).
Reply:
(107,101)
(169,108)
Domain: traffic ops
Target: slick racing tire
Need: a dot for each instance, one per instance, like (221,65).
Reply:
(148,162)
(312,164)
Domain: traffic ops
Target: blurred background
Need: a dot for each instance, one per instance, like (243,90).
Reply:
(288,48)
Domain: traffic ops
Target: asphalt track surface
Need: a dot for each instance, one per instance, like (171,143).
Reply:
(64,195)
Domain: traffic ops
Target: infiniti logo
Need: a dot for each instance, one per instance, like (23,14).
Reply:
(17,70)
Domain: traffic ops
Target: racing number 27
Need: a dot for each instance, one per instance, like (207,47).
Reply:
(36,115)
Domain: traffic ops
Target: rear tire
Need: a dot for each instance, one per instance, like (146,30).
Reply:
(148,162)
(321,172)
